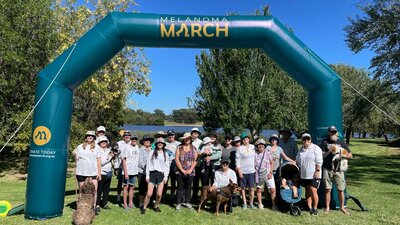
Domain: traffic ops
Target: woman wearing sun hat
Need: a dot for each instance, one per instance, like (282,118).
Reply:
(277,153)
(87,157)
(185,158)
(245,168)
(264,163)
(144,153)
(157,171)
(107,157)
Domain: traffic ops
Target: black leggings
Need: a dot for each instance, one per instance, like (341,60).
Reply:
(103,189)
(207,178)
(184,184)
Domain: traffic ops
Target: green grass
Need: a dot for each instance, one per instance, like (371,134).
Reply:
(373,178)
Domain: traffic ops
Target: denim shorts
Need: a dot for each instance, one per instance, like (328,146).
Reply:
(130,181)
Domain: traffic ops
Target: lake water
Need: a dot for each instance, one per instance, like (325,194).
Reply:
(181,129)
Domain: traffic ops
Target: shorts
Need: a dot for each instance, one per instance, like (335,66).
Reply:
(130,181)
(142,184)
(248,180)
(156,177)
(311,182)
(81,178)
(328,176)
(269,182)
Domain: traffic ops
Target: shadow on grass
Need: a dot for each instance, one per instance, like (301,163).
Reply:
(383,169)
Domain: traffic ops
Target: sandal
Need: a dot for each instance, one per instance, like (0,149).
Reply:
(344,211)
(326,211)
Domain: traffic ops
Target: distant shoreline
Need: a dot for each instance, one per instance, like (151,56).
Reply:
(171,123)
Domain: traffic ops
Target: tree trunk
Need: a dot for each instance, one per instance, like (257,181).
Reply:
(348,134)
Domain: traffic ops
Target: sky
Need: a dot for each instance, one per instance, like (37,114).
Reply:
(317,23)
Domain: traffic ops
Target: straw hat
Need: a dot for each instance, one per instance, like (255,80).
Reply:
(185,136)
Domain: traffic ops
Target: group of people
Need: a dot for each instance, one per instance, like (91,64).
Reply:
(186,162)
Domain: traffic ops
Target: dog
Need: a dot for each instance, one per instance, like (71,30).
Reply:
(84,213)
(221,196)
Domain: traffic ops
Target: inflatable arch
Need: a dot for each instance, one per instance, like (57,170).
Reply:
(52,117)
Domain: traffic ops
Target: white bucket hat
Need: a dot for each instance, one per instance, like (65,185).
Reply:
(206,140)
(103,138)
(101,128)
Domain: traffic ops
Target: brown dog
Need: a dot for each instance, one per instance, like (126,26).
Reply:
(221,196)
(84,213)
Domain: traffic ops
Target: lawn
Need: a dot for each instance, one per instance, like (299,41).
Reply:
(373,178)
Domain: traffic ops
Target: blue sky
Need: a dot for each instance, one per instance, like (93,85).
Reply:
(317,23)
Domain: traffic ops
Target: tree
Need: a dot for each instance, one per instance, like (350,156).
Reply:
(139,117)
(28,41)
(378,31)
(184,116)
(243,89)
(359,114)
(101,99)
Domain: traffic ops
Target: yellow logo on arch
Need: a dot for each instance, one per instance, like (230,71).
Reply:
(41,135)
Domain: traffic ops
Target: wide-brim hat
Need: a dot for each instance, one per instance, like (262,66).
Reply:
(206,140)
(146,138)
(103,138)
(185,136)
(273,137)
(260,142)
(160,140)
(195,129)
(90,133)
(160,134)
(101,128)
(286,130)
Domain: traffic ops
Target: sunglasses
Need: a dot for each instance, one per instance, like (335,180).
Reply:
(225,163)
(306,139)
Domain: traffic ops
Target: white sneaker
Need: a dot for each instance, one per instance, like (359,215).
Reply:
(261,206)
(189,206)
(178,207)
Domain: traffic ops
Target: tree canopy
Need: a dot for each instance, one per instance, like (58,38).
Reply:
(378,30)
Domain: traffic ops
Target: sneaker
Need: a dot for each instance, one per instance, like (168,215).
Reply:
(157,209)
(313,212)
(189,206)
(244,206)
(96,211)
(143,211)
(106,207)
(178,207)
(274,208)
(126,208)
(261,206)
(132,207)
(251,206)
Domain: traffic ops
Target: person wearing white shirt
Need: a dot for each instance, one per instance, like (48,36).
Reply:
(245,168)
(88,164)
(157,170)
(126,136)
(309,159)
(171,147)
(196,143)
(107,157)
(130,162)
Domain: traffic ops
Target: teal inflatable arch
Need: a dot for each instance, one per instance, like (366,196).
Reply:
(52,117)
